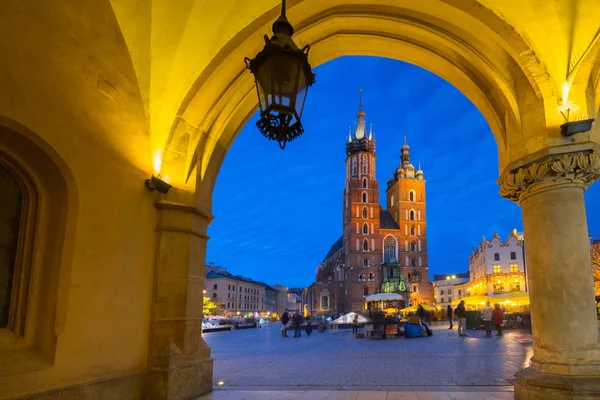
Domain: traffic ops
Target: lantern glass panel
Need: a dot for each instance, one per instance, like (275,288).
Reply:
(285,72)
(263,84)
(301,96)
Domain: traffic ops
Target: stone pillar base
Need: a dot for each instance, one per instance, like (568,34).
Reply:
(533,385)
(182,382)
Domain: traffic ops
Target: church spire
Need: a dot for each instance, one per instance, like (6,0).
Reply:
(360,131)
(405,155)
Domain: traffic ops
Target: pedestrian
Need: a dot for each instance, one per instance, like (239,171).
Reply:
(449,315)
(285,318)
(308,328)
(498,318)
(461,314)
(487,319)
(423,315)
(297,321)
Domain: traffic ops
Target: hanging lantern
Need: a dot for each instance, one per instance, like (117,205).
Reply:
(282,75)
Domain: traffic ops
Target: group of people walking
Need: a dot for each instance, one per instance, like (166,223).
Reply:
(296,324)
(489,315)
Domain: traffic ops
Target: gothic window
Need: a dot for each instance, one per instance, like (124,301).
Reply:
(411,195)
(413,262)
(365,245)
(365,229)
(412,230)
(364,183)
(392,200)
(366,262)
(366,291)
(413,246)
(365,213)
(354,167)
(361,277)
(412,215)
(11,201)
(406,261)
(390,247)
(324,302)
(371,277)
(364,164)
(420,261)
(364,197)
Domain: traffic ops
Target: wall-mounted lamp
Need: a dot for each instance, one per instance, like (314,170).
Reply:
(155,183)
(573,127)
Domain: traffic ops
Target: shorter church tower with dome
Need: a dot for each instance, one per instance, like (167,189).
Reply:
(381,250)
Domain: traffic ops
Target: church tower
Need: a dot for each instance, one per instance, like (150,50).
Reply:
(405,196)
(361,216)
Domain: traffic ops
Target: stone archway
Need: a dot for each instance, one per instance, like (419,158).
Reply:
(540,170)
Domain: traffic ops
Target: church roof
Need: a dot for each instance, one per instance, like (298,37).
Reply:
(386,221)
(334,247)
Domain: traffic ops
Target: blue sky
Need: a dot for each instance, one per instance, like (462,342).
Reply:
(278,212)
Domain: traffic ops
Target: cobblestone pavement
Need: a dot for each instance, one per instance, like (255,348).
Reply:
(259,359)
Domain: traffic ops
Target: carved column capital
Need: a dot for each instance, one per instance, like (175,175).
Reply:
(576,168)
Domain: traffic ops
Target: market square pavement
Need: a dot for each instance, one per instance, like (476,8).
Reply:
(260,364)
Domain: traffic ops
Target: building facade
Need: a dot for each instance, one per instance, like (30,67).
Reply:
(498,266)
(381,250)
(448,287)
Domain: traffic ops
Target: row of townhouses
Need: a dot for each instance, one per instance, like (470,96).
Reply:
(238,295)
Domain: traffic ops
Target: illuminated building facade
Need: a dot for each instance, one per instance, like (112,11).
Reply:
(448,287)
(498,266)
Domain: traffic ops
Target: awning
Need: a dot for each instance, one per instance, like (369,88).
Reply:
(349,318)
(414,308)
(383,297)
(512,298)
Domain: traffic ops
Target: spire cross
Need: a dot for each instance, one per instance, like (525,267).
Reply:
(360,95)
(404,139)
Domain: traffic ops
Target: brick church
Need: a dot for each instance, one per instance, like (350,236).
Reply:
(381,250)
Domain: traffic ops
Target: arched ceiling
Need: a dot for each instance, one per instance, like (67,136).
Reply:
(173,45)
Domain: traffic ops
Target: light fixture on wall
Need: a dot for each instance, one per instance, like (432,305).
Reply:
(573,127)
(155,183)
(282,75)
(581,124)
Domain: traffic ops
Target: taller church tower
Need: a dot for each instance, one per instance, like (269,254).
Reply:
(361,216)
(406,203)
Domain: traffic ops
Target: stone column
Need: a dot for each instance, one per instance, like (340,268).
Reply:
(179,363)
(566,354)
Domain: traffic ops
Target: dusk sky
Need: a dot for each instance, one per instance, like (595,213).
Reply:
(278,212)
